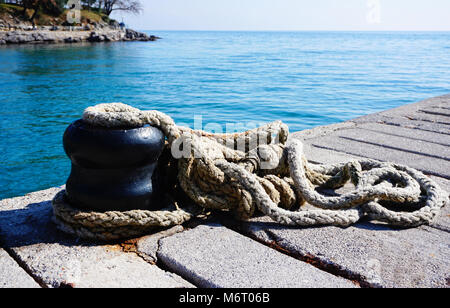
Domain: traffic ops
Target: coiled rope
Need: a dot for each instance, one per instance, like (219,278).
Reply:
(218,174)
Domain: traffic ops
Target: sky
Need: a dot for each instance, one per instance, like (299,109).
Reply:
(285,15)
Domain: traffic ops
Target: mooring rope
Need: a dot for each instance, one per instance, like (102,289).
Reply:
(218,174)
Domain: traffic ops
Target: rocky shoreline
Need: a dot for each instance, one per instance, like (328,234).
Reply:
(72,35)
(15,30)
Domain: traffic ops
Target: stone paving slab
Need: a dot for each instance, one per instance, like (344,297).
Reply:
(428,117)
(214,256)
(371,253)
(414,124)
(58,260)
(12,275)
(437,111)
(406,110)
(397,143)
(413,115)
(443,109)
(427,164)
(408,134)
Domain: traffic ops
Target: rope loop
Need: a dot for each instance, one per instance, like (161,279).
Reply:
(258,170)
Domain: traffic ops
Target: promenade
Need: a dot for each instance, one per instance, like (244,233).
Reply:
(223,252)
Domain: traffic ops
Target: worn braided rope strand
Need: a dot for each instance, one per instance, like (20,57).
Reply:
(360,195)
(434,200)
(220,177)
(269,208)
(435,197)
(112,225)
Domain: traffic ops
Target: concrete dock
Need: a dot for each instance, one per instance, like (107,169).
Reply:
(223,252)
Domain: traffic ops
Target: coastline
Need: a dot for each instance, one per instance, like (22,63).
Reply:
(16,27)
(48,35)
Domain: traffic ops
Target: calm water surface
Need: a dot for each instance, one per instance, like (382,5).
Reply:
(303,78)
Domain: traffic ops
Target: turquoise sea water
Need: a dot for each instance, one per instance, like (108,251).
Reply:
(303,78)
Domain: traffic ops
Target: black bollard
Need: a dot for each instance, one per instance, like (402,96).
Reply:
(113,169)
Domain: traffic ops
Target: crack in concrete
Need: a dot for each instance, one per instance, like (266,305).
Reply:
(425,120)
(402,136)
(166,268)
(416,126)
(434,113)
(131,246)
(324,265)
(393,148)
(273,242)
(25,267)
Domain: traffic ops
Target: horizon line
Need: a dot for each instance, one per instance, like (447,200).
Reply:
(262,30)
